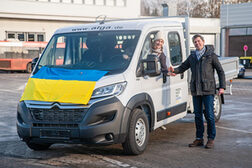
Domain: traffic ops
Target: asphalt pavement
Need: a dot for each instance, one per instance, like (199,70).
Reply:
(166,148)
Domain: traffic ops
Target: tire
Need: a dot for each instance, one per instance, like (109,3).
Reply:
(138,133)
(217,107)
(241,76)
(29,67)
(38,146)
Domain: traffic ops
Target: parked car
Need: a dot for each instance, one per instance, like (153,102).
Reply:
(242,70)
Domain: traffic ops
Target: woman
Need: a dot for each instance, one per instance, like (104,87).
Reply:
(157,49)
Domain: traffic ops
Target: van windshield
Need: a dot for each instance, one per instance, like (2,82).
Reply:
(102,50)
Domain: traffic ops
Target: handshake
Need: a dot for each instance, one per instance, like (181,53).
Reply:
(171,71)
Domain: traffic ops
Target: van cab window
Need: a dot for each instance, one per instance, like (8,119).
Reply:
(175,48)
(147,46)
(147,49)
(97,50)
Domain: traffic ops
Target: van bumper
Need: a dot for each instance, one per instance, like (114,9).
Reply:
(101,124)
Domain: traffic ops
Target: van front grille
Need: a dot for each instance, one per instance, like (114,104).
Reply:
(57,115)
(43,125)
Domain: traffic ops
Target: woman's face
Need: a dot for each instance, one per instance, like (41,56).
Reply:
(158,44)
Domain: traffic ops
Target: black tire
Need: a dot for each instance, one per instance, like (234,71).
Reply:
(217,107)
(241,76)
(38,146)
(136,142)
(29,67)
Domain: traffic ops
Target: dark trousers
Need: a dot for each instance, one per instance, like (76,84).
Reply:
(198,102)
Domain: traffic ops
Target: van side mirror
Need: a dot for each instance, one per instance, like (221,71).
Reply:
(34,61)
(150,66)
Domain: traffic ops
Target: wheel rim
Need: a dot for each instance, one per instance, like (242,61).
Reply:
(140,132)
(216,106)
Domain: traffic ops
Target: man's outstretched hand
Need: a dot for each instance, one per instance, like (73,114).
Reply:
(170,71)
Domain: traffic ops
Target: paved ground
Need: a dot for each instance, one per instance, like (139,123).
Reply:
(167,148)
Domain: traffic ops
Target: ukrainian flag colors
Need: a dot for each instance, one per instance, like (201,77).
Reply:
(62,85)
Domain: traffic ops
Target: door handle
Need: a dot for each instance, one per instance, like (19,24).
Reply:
(182,76)
(164,78)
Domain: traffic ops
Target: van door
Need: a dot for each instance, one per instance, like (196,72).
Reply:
(177,86)
(153,85)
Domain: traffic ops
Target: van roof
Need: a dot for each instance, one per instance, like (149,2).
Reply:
(134,24)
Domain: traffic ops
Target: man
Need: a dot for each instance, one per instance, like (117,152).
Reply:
(202,63)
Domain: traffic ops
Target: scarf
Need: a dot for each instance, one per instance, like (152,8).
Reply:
(200,53)
(157,51)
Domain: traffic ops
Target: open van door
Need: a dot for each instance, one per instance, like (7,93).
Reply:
(177,86)
(154,85)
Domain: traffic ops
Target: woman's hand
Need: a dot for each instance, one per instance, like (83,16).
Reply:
(170,71)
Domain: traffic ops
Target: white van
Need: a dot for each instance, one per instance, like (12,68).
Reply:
(131,100)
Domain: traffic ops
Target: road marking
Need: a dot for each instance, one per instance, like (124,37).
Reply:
(235,105)
(4,90)
(241,89)
(112,161)
(226,128)
(4,138)
(233,129)
(3,124)
(235,115)
(21,87)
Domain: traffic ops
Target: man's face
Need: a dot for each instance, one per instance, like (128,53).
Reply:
(198,43)
(158,44)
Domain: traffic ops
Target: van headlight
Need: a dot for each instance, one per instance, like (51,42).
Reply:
(109,90)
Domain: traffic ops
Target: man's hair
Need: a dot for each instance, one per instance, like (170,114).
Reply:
(196,36)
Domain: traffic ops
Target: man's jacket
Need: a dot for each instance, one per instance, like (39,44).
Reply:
(202,80)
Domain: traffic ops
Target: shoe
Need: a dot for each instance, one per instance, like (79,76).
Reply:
(209,144)
(197,142)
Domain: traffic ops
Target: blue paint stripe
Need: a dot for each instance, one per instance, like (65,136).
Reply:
(69,74)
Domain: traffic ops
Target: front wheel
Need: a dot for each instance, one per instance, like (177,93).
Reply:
(217,107)
(138,133)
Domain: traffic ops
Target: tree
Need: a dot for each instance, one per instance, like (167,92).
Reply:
(205,8)
(151,7)
(193,8)
(145,9)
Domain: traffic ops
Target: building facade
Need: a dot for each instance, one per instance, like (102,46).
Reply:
(209,28)
(236,27)
(36,20)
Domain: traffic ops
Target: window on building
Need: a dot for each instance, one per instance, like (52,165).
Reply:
(25,36)
(99,2)
(44,0)
(249,31)
(121,3)
(67,1)
(21,37)
(55,1)
(79,1)
(237,32)
(89,2)
(175,48)
(11,35)
(40,37)
(110,2)
(31,37)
